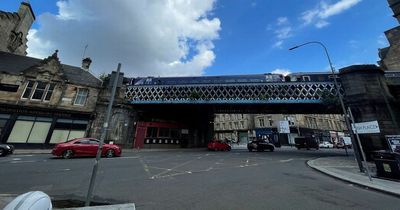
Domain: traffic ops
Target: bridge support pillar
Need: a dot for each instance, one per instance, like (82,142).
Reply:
(368,96)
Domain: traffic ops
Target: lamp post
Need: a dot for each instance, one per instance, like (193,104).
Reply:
(355,145)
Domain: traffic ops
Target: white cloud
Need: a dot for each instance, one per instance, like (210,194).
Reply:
(157,37)
(37,47)
(283,31)
(321,24)
(382,41)
(282,21)
(323,11)
(278,44)
(354,44)
(284,72)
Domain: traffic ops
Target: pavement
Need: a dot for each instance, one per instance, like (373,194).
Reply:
(346,168)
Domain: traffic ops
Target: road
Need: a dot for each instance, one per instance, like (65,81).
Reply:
(194,179)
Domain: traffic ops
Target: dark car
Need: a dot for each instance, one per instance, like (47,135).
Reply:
(306,142)
(85,147)
(6,149)
(260,145)
(218,145)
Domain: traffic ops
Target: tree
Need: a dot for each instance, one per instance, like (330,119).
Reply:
(329,99)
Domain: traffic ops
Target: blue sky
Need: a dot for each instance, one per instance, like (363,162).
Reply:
(239,36)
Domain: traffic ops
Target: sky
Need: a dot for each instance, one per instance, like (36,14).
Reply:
(208,37)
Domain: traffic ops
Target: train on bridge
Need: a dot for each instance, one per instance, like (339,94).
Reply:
(234,79)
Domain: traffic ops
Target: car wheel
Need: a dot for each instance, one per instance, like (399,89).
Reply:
(110,153)
(2,152)
(271,149)
(67,154)
(229,149)
(215,149)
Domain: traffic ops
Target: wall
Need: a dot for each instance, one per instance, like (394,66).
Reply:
(367,94)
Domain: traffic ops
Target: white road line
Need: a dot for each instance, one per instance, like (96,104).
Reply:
(24,155)
(173,168)
(146,168)
(285,161)
(26,161)
(133,157)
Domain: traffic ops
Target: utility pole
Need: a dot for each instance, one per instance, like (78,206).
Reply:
(103,136)
(346,117)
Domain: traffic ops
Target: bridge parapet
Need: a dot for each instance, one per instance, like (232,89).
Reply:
(246,93)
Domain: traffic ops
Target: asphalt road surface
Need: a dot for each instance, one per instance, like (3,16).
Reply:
(194,179)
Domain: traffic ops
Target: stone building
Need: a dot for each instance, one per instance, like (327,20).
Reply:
(14,29)
(121,128)
(324,127)
(234,126)
(390,56)
(44,102)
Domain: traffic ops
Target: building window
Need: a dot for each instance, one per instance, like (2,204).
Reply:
(163,132)
(67,129)
(261,122)
(81,96)
(242,124)
(8,87)
(39,91)
(28,89)
(49,92)
(306,78)
(152,132)
(30,129)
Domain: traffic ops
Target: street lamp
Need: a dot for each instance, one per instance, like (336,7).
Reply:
(357,154)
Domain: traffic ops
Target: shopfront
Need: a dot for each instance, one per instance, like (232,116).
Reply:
(39,128)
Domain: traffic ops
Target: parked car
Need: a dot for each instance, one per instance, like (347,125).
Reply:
(260,145)
(6,149)
(216,145)
(306,142)
(326,144)
(84,147)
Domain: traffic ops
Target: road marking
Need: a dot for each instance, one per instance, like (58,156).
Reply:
(173,168)
(285,161)
(26,161)
(133,157)
(24,155)
(63,169)
(16,159)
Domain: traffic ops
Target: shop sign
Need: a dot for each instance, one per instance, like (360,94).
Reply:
(366,127)
(284,127)
(393,141)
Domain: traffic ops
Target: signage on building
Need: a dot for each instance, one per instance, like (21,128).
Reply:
(366,127)
(394,142)
(284,127)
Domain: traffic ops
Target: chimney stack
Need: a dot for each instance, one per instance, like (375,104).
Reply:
(86,63)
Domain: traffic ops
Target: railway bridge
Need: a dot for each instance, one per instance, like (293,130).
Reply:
(371,93)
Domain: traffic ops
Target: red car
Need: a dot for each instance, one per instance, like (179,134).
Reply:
(218,145)
(84,147)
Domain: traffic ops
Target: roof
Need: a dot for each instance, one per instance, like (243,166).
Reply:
(16,64)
